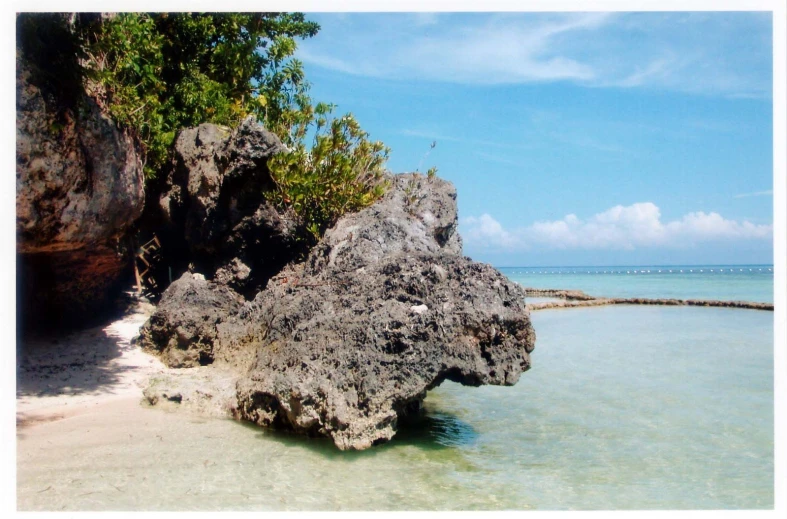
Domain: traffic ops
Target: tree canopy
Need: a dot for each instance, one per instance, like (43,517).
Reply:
(156,73)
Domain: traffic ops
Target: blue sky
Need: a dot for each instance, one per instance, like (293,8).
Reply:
(572,138)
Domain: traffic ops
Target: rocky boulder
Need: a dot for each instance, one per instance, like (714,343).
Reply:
(211,211)
(415,215)
(79,179)
(183,329)
(384,309)
(348,341)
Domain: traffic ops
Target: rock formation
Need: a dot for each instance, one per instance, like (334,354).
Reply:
(81,191)
(211,212)
(383,309)
(183,328)
(80,186)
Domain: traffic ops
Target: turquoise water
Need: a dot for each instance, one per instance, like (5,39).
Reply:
(625,407)
(724,282)
(631,407)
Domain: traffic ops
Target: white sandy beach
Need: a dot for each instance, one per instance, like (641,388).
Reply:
(62,376)
(80,406)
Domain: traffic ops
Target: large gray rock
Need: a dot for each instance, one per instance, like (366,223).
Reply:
(212,211)
(348,356)
(183,329)
(345,343)
(416,215)
(79,178)
(384,309)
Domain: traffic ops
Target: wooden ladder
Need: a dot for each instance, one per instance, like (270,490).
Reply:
(148,255)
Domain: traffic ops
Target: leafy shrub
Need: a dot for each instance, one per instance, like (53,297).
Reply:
(163,72)
(342,172)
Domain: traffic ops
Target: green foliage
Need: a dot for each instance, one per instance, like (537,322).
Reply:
(123,57)
(163,72)
(157,73)
(341,172)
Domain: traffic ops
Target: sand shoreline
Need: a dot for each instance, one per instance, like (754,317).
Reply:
(60,376)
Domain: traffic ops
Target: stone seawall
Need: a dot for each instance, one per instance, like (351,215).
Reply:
(576,298)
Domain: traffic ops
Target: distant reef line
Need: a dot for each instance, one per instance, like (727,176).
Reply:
(577,298)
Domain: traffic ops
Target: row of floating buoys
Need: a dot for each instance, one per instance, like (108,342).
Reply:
(654,271)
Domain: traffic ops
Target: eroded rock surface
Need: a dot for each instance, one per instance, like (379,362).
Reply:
(345,354)
(384,309)
(343,344)
(211,211)
(79,188)
(183,329)
(79,178)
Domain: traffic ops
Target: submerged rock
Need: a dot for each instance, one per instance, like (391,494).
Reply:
(577,298)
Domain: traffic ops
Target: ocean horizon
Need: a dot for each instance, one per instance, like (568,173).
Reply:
(743,282)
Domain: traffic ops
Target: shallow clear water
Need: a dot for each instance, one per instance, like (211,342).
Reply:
(726,282)
(540,299)
(631,407)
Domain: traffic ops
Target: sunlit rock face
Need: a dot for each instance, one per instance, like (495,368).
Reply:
(384,309)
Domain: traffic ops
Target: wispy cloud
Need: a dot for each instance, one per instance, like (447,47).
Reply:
(710,53)
(756,193)
(618,228)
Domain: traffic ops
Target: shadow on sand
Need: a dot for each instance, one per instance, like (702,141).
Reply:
(73,363)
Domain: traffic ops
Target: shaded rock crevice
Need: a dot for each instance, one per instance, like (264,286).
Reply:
(210,211)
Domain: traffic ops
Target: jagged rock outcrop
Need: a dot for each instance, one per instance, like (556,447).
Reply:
(182,330)
(79,187)
(343,344)
(211,211)
(384,309)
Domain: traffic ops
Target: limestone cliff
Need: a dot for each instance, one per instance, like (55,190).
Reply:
(79,188)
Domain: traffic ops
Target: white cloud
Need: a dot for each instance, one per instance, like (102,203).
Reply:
(618,228)
(486,229)
(710,53)
(491,49)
